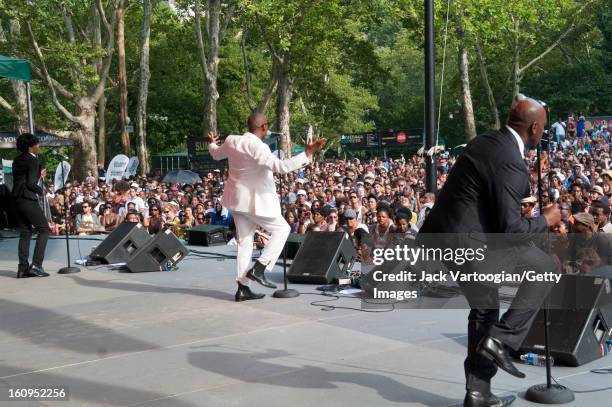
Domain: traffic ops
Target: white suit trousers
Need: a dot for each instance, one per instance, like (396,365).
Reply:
(246,225)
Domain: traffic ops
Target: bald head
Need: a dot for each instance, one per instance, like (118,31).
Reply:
(528,118)
(256,123)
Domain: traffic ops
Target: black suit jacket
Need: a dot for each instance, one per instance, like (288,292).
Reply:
(483,193)
(26,173)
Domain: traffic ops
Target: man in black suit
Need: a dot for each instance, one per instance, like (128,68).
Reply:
(482,196)
(26,191)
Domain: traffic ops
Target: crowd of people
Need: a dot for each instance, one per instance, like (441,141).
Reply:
(375,200)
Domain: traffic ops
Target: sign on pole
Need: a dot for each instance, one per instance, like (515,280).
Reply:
(116,168)
(132,167)
(59,182)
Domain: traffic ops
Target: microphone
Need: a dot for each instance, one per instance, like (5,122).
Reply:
(273,133)
(58,155)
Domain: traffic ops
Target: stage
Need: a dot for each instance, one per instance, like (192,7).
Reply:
(178,339)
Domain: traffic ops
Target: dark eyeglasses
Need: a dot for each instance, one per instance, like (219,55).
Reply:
(85,206)
(155,209)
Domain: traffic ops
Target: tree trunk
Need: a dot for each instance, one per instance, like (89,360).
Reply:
(464,78)
(102,131)
(143,91)
(283,101)
(210,62)
(85,157)
(19,88)
(485,80)
(123,114)
(516,69)
(97,43)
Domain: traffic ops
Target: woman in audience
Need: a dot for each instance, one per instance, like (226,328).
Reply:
(381,232)
(108,218)
(156,222)
(291,219)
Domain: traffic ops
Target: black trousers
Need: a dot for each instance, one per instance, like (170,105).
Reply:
(512,328)
(30,215)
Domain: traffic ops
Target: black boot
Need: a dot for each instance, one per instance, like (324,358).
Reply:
(22,270)
(244,293)
(478,399)
(256,273)
(37,271)
(494,350)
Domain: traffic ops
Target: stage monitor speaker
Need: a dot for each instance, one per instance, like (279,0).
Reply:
(122,243)
(322,258)
(294,241)
(164,249)
(578,331)
(206,235)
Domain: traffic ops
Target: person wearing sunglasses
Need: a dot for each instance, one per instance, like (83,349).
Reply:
(87,223)
(156,222)
(108,218)
(250,194)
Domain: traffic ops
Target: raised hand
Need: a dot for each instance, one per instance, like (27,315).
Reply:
(315,146)
(212,137)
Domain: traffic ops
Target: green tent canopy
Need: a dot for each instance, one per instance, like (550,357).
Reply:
(14,68)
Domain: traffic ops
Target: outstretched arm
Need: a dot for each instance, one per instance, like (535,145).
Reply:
(263,156)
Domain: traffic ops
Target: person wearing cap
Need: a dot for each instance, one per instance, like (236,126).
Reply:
(301,198)
(585,236)
(596,194)
(250,194)
(482,195)
(27,171)
(527,206)
(358,234)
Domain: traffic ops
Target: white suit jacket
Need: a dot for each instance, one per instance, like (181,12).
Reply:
(250,186)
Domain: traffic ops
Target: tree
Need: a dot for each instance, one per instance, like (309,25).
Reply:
(216,25)
(123,93)
(74,66)
(19,109)
(301,37)
(143,88)
(464,76)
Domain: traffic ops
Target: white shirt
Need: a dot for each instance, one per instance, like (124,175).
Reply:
(521,145)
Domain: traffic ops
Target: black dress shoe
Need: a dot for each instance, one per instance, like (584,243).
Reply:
(22,270)
(494,350)
(478,399)
(257,274)
(244,293)
(37,271)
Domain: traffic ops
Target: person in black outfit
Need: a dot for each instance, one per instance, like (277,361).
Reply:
(26,191)
(482,196)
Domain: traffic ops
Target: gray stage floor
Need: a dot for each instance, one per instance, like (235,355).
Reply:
(178,339)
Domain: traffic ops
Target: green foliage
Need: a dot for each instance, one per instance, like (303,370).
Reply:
(357,65)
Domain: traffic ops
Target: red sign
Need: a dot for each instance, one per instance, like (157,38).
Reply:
(401,137)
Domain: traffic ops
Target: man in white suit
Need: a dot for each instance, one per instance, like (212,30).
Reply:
(250,194)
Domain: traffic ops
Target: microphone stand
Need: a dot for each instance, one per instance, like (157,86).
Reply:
(548,393)
(285,292)
(68,269)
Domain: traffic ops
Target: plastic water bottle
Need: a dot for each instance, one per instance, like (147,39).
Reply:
(535,359)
